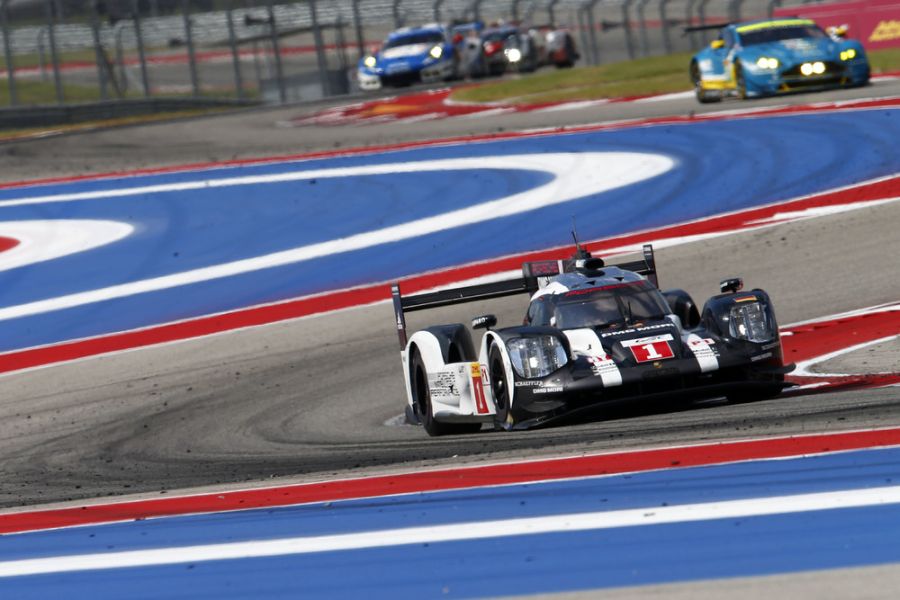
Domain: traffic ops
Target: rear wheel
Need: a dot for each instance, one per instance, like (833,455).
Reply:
(503,418)
(739,81)
(422,398)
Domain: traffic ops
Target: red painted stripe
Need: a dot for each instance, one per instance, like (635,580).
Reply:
(292,309)
(8,243)
(447,479)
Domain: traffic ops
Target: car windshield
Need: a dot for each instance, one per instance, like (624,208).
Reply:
(777,34)
(498,36)
(610,305)
(424,37)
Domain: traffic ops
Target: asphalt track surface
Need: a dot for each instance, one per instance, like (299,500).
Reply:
(310,398)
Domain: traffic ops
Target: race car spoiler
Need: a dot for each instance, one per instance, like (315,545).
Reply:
(534,275)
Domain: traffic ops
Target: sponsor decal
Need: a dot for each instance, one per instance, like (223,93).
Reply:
(549,390)
(761,356)
(481,406)
(704,352)
(886,31)
(443,384)
(745,299)
(529,383)
(650,349)
(637,329)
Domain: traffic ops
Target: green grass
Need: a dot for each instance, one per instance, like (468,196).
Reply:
(38,92)
(641,77)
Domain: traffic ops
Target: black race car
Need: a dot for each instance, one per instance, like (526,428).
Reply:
(592,334)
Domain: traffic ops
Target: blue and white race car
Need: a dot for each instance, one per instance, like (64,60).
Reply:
(410,55)
(764,58)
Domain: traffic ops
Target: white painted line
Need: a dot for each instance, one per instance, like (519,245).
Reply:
(665,97)
(40,241)
(572,106)
(575,175)
(654,515)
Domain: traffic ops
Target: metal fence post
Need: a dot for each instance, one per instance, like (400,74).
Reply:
(772,5)
(664,23)
(321,60)
(98,49)
(689,18)
(7,52)
(592,32)
(189,41)
(139,37)
(357,26)
(701,12)
(435,9)
(235,53)
(395,9)
(515,10)
(475,8)
(642,19)
(551,12)
(276,52)
(54,56)
(626,23)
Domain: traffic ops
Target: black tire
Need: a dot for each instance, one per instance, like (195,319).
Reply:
(702,96)
(503,419)
(422,398)
(739,81)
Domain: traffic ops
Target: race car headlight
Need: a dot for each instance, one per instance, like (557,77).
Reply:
(436,52)
(817,67)
(513,55)
(534,357)
(848,54)
(370,61)
(751,322)
(764,62)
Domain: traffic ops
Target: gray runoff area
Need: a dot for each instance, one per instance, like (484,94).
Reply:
(257,50)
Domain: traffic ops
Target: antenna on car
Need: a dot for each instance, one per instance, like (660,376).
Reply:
(580,252)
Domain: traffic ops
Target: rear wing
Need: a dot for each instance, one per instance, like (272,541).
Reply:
(534,276)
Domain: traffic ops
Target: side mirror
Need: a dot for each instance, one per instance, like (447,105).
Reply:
(730,286)
(717,44)
(484,322)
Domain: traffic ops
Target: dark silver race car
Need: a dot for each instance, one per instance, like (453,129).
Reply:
(592,334)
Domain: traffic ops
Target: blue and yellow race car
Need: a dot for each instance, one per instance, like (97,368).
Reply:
(410,55)
(764,58)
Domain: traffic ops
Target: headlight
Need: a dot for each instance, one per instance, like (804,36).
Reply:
(534,357)
(765,62)
(436,52)
(751,322)
(370,61)
(848,54)
(513,55)
(817,67)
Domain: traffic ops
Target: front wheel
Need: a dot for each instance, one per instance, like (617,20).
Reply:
(503,417)
(702,96)
(740,82)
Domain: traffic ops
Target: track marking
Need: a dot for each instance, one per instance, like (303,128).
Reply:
(39,241)
(477,530)
(574,176)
